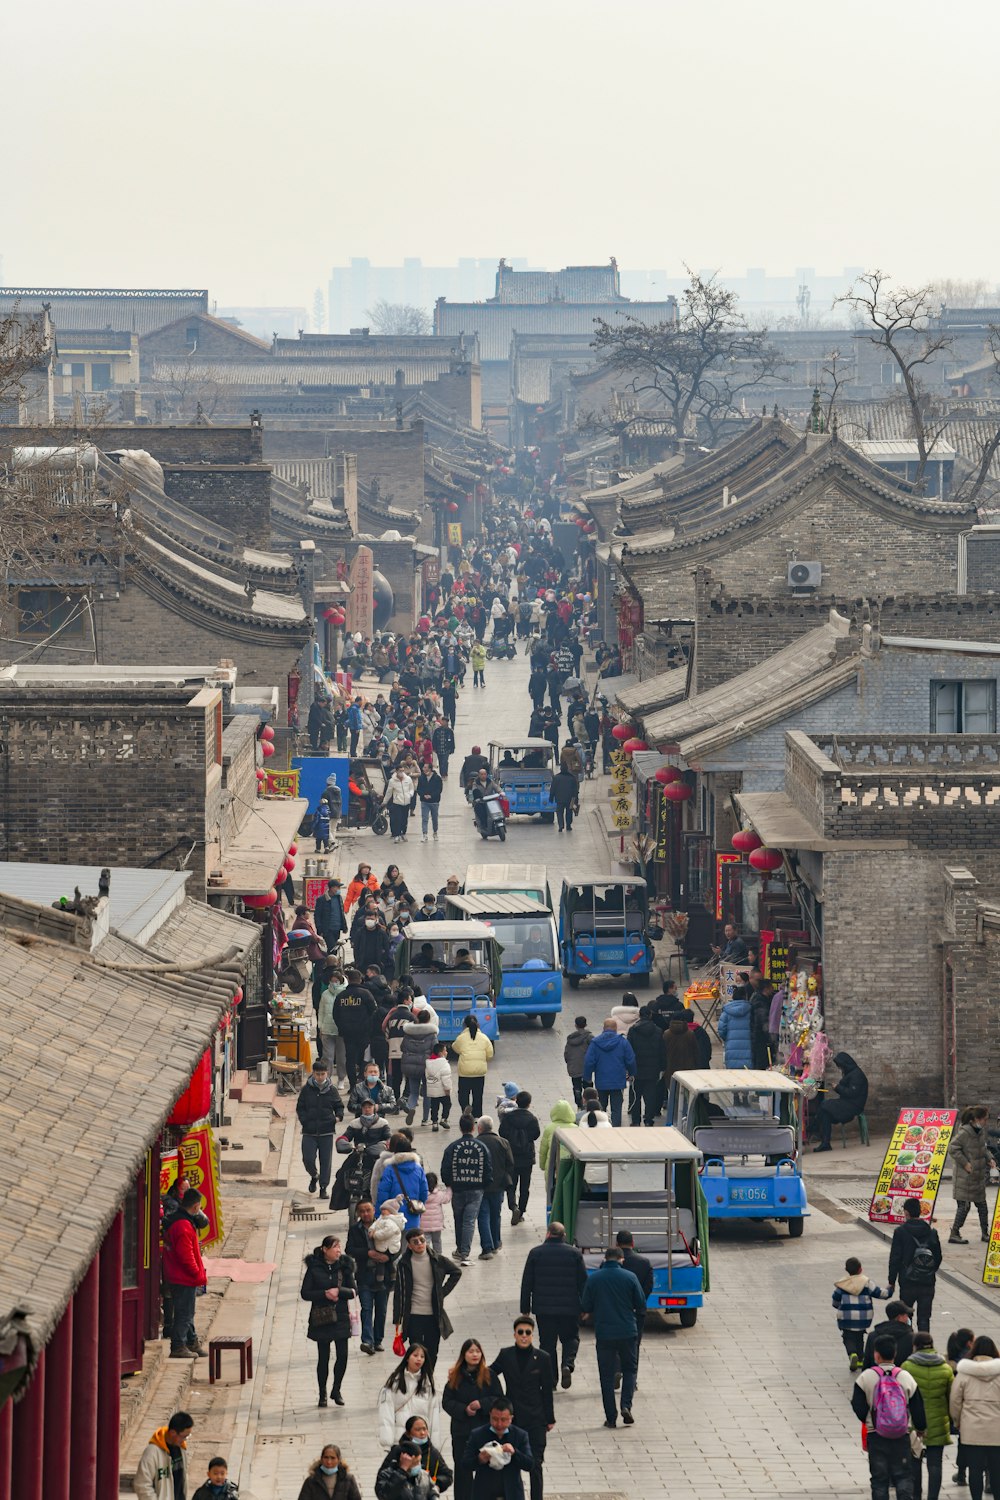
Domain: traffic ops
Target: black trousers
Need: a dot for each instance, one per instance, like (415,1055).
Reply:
(564,814)
(645,1100)
(934,1457)
(559,1328)
(537,1437)
(342,1349)
(982,1459)
(854,1341)
(517,1193)
(422,1328)
(891,1462)
(920,1297)
(470,1095)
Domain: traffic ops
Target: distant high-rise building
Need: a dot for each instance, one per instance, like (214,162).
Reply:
(358,286)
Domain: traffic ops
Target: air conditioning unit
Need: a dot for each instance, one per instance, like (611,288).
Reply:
(803,576)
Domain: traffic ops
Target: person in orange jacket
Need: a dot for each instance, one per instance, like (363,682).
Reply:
(362,880)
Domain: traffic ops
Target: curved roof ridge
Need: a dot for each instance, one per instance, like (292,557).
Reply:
(713,467)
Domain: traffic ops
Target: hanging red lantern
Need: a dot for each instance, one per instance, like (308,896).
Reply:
(746,841)
(196,1100)
(634,745)
(666,774)
(329,614)
(293,849)
(256,903)
(238,996)
(289,865)
(266,749)
(338,618)
(766,860)
(621,732)
(267,733)
(261,774)
(677,791)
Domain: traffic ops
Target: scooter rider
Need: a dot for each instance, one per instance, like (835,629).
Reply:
(482,788)
(471,766)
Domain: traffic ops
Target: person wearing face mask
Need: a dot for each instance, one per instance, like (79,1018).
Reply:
(372,1087)
(332,1049)
(413,1466)
(371,944)
(429,911)
(329,1478)
(329,1287)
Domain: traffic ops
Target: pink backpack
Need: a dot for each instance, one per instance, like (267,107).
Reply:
(890,1412)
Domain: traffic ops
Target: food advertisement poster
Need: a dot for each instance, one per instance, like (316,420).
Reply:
(991,1265)
(913,1164)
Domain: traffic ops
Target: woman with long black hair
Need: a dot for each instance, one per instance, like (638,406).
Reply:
(329,1286)
(467,1398)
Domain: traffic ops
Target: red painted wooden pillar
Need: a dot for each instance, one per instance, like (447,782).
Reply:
(58,1468)
(6,1425)
(109,1359)
(83,1421)
(28,1438)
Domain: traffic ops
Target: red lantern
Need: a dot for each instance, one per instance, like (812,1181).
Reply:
(766,860)
(746,841)
(261,775)
(289,865)
(256,903)
(621,732)
(633,745)
(329,614)
(453,507)
(266,749)
(293,849)
(238,995)
(677,791)
(267,733)
(666,774)
(196,1100)
(337,618)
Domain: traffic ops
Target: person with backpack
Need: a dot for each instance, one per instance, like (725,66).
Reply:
(852,1300)
(888,1401)
(520,1129)
(914,1258)
(934,1377)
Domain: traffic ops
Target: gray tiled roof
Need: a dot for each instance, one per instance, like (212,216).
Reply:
(91,1063)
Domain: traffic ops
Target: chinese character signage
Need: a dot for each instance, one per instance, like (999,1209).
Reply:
(913,1164)
(198,1152)
(361,600)
(315,886)
(720,860)
(454,533)
(991,1265)
(281,783)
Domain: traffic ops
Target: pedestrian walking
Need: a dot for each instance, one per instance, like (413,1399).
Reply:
(329,1478)
(520,1129)
(467,1169)
(402,1177)
(896,1326)
(975,1409)
(502,1163)
(354,1010)
(362,883)
(408,1392)
(420,1038)
(852,1301)
(429,790)
(564,789)
(372,1088)
(398,799)
(574,1053)
(467,1396)
(609,1065)
(646,1040)
(437,1084)
(552,1284)
(498,1453)
(443,740)
(528,1376)
(161,1473)
(959,1347)
(561,1113)
(478,658)
(355,724)
(424,1280)
(413,1468)
(329,915)
(319,1109)
(642,1270)
(329,1286)
(218,1485)
(680,1049)
(474,1051)
(184,1273)
(331,1043)
(887,1400)
(614,1297)
(970,1168)
(934,1377)
(432,1218)
(914,1259)
(375,1272)
(736,1031)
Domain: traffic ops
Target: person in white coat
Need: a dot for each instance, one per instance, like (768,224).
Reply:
(409,1392)
(398,799)
(437,1085)
(163,1454)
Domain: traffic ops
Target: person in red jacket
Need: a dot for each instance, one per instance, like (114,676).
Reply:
(184,1272)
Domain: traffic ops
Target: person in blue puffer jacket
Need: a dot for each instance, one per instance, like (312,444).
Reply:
(736,1030)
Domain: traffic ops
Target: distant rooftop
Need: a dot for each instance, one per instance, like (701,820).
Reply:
(124,309)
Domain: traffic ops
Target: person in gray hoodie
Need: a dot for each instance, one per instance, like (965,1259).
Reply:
(574,1052)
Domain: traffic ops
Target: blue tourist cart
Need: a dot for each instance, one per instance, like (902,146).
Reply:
(604,929)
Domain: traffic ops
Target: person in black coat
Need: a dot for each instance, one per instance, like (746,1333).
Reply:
(354,1010)
(917,1280)
(852,1096)
(646,1041)
(319,1108)
(400,1481)
(898,1326)
(520,1129)
(329,1283)
(564,790)
(468,1396)
(528,1376)
(499,1484)
(331,922)
(552,1284)
(371,946)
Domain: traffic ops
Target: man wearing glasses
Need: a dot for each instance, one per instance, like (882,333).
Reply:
(528,1377)
(423,1280)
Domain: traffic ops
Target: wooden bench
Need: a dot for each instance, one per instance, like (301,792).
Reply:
(215,1348)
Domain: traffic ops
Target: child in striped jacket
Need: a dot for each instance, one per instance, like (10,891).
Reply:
(852,1298)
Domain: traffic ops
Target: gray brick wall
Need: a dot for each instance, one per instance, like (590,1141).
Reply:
(394,456)
(240,444)
(236,497)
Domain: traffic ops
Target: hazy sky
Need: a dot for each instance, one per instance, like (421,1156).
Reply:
(249,146)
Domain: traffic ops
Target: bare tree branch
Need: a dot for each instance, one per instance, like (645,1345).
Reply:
(398,317)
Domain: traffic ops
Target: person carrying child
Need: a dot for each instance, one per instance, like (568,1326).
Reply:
(852,1299)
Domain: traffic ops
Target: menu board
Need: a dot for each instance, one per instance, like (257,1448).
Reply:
(991,1265)
(913,1164)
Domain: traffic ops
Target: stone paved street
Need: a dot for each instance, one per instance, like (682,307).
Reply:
(753,1400)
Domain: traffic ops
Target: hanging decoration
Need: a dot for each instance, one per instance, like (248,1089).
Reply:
(746,841)
(766,860)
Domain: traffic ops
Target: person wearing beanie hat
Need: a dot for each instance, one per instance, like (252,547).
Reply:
(507,1100)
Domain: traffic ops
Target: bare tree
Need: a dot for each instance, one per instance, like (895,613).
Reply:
(25,347)
(948,292)
(899,321)
(987,435)
(398,317)
(699,366)
(838,368)
(188,390)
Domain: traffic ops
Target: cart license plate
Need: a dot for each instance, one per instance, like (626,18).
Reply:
(612,955)
(749,1195)
(520,992)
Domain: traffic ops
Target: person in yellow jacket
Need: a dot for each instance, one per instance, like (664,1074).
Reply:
(473,1049)
(479,665)
(163,1456)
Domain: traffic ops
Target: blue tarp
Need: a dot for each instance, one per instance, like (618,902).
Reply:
(314,773)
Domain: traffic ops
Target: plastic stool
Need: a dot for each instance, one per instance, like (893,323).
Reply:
(862,1132)
(215,1348)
